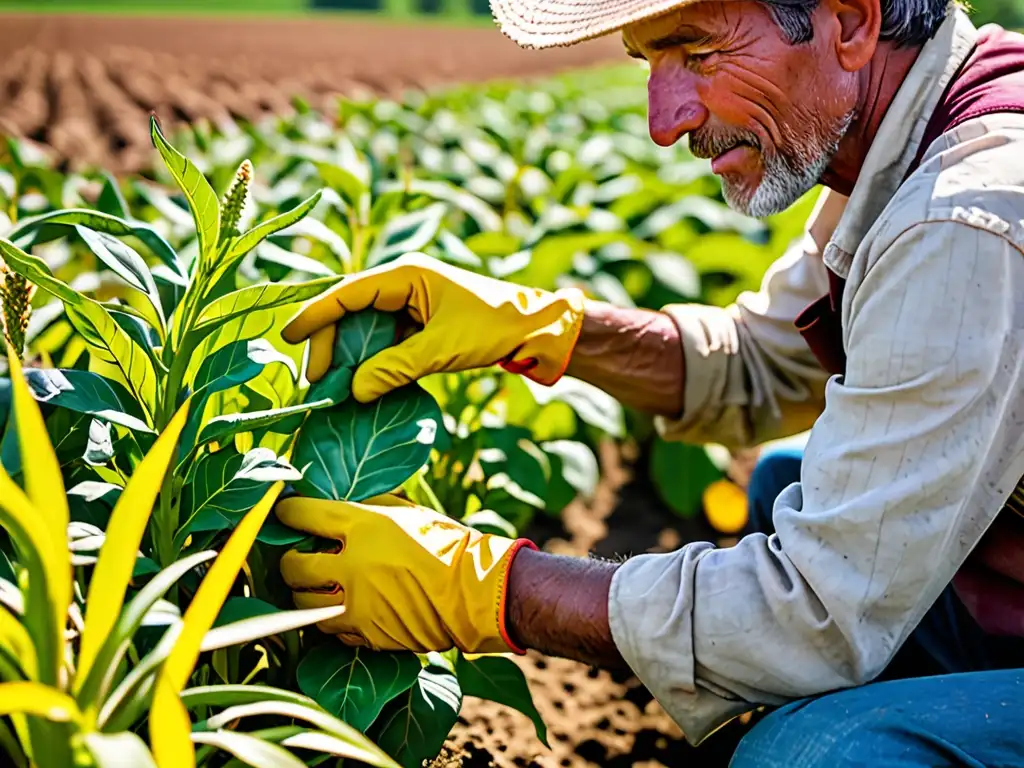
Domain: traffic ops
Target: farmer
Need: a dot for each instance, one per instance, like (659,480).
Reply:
(879,610)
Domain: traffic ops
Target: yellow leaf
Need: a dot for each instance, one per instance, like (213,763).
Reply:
(170,730)
(37,699)
(16,639)
(167,712)
(27,528)
(44,487)
(127,525)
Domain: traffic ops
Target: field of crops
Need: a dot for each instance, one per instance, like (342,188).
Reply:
(160,413)
(85,85)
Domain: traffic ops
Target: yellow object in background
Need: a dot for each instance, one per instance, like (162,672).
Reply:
(725,505)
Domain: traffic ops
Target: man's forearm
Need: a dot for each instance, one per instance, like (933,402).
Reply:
(635,355)
(559,606)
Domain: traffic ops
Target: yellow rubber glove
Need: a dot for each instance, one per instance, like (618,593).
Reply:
(409,578)
(469,321)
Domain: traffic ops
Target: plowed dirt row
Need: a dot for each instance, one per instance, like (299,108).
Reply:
(84,85)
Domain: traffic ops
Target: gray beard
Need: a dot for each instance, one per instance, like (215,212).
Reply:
(786,177)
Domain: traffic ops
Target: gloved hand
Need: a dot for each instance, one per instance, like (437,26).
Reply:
(409,578)
(469,321)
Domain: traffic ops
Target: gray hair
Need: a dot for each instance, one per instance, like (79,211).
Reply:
(905,22)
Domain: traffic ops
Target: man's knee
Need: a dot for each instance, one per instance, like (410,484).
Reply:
(834,731)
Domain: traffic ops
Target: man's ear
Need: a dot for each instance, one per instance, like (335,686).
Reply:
(857,25)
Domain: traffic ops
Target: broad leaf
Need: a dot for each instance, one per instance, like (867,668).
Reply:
(358,337)
(579,464)
(85,392)
(353,451)
(202,200)
(353,683)
(680,473)
(499,679)
(415,726)
(257,297)
(227,485)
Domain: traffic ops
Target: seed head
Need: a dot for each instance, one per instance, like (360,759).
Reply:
(232,208)
(15,307)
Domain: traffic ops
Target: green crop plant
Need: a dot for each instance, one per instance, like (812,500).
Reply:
(174,433)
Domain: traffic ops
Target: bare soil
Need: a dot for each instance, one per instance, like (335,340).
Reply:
(85,85)
(596,718)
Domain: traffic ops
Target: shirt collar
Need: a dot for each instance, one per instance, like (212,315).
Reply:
(899,136)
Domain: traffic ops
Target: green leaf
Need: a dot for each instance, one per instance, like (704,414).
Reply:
(220,428)
(680,473)
(353,683)
(91,319)
(227,485)
(85,392)
(232,695)
(415,726)
(202,200)
(238,608)
(489,521)
(499,679)
(579,464)
(125,262)
(101,675)
(405,234)
(111,201)
(353,451)
(592,405)
(249,749)
(264,625)
(358,337)
(238,362)
(110,225)
(345,183)
(257,234)
(358,747)
(258,297)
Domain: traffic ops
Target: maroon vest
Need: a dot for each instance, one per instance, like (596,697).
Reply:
(991,581)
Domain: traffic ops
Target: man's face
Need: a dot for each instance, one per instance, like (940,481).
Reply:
(769,114)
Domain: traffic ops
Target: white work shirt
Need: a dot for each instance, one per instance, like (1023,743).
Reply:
(912,452)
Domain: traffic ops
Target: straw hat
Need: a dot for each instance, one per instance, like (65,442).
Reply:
(551,23)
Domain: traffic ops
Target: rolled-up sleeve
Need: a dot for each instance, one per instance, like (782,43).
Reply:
(908,464)
(750,376)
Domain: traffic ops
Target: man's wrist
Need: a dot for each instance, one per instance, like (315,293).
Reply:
(559,606)
(635,355)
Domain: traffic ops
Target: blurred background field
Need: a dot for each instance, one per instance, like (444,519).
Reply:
(529,166)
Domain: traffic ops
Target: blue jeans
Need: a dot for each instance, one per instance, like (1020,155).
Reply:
(952,696)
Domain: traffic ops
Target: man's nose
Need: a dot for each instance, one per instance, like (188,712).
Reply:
(674,107)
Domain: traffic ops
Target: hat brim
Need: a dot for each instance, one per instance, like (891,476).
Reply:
(561,23)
